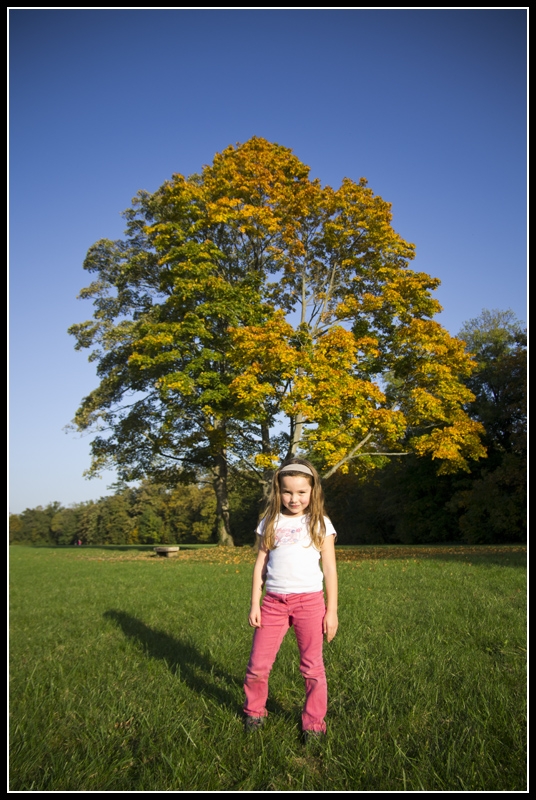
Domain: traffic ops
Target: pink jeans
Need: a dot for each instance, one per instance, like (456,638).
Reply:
(278,612)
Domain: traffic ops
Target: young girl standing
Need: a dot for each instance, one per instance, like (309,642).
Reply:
(294,536)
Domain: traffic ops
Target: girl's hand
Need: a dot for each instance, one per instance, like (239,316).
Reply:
(254,618)
(330,625)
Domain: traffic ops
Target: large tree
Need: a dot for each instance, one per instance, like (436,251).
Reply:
(492,506)
(249,296)
(361,371)
(497,340)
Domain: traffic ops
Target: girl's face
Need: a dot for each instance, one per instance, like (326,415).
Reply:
(295,495)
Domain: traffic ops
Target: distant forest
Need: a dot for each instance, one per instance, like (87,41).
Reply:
(405,501)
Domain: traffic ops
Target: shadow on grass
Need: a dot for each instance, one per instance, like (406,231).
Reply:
(185,660)
(485,555)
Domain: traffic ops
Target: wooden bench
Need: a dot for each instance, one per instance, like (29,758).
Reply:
(166,551)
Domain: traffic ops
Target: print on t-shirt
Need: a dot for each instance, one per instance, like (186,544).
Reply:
(286,535)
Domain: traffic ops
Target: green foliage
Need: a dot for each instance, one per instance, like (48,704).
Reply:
(404,502)
(150,527)
(492,506)
(147,514)
(498,343)
(35,525)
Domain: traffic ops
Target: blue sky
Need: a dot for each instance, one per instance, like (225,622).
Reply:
(429,106)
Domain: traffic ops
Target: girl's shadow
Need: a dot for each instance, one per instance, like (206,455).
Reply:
(193,668)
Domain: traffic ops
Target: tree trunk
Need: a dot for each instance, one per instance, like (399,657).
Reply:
(222,501)
(298,431)
(267,474)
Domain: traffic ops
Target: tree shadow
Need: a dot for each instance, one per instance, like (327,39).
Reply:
(185,660)
(485,555)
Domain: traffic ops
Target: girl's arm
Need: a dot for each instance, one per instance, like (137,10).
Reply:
(329,568)
(256,587)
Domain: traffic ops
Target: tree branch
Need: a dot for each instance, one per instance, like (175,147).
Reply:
(354,454)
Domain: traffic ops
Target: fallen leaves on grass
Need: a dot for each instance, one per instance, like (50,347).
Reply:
(247,555)
(236,556)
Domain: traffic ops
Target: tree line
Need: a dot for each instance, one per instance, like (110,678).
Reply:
(404,501)
(147,514)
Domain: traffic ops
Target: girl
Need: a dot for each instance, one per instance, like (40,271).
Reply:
(294,535)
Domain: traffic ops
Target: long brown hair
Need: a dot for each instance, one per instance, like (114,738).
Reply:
(315,509)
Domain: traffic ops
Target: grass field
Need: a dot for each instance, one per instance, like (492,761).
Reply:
(126,674)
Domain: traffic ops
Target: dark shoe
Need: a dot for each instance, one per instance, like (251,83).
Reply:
(312,737)
(252,724)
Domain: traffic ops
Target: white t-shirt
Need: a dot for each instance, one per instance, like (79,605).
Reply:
(294,564)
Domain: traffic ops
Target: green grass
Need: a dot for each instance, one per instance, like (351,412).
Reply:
(127,670)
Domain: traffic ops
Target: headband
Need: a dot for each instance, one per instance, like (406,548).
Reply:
(296,468)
